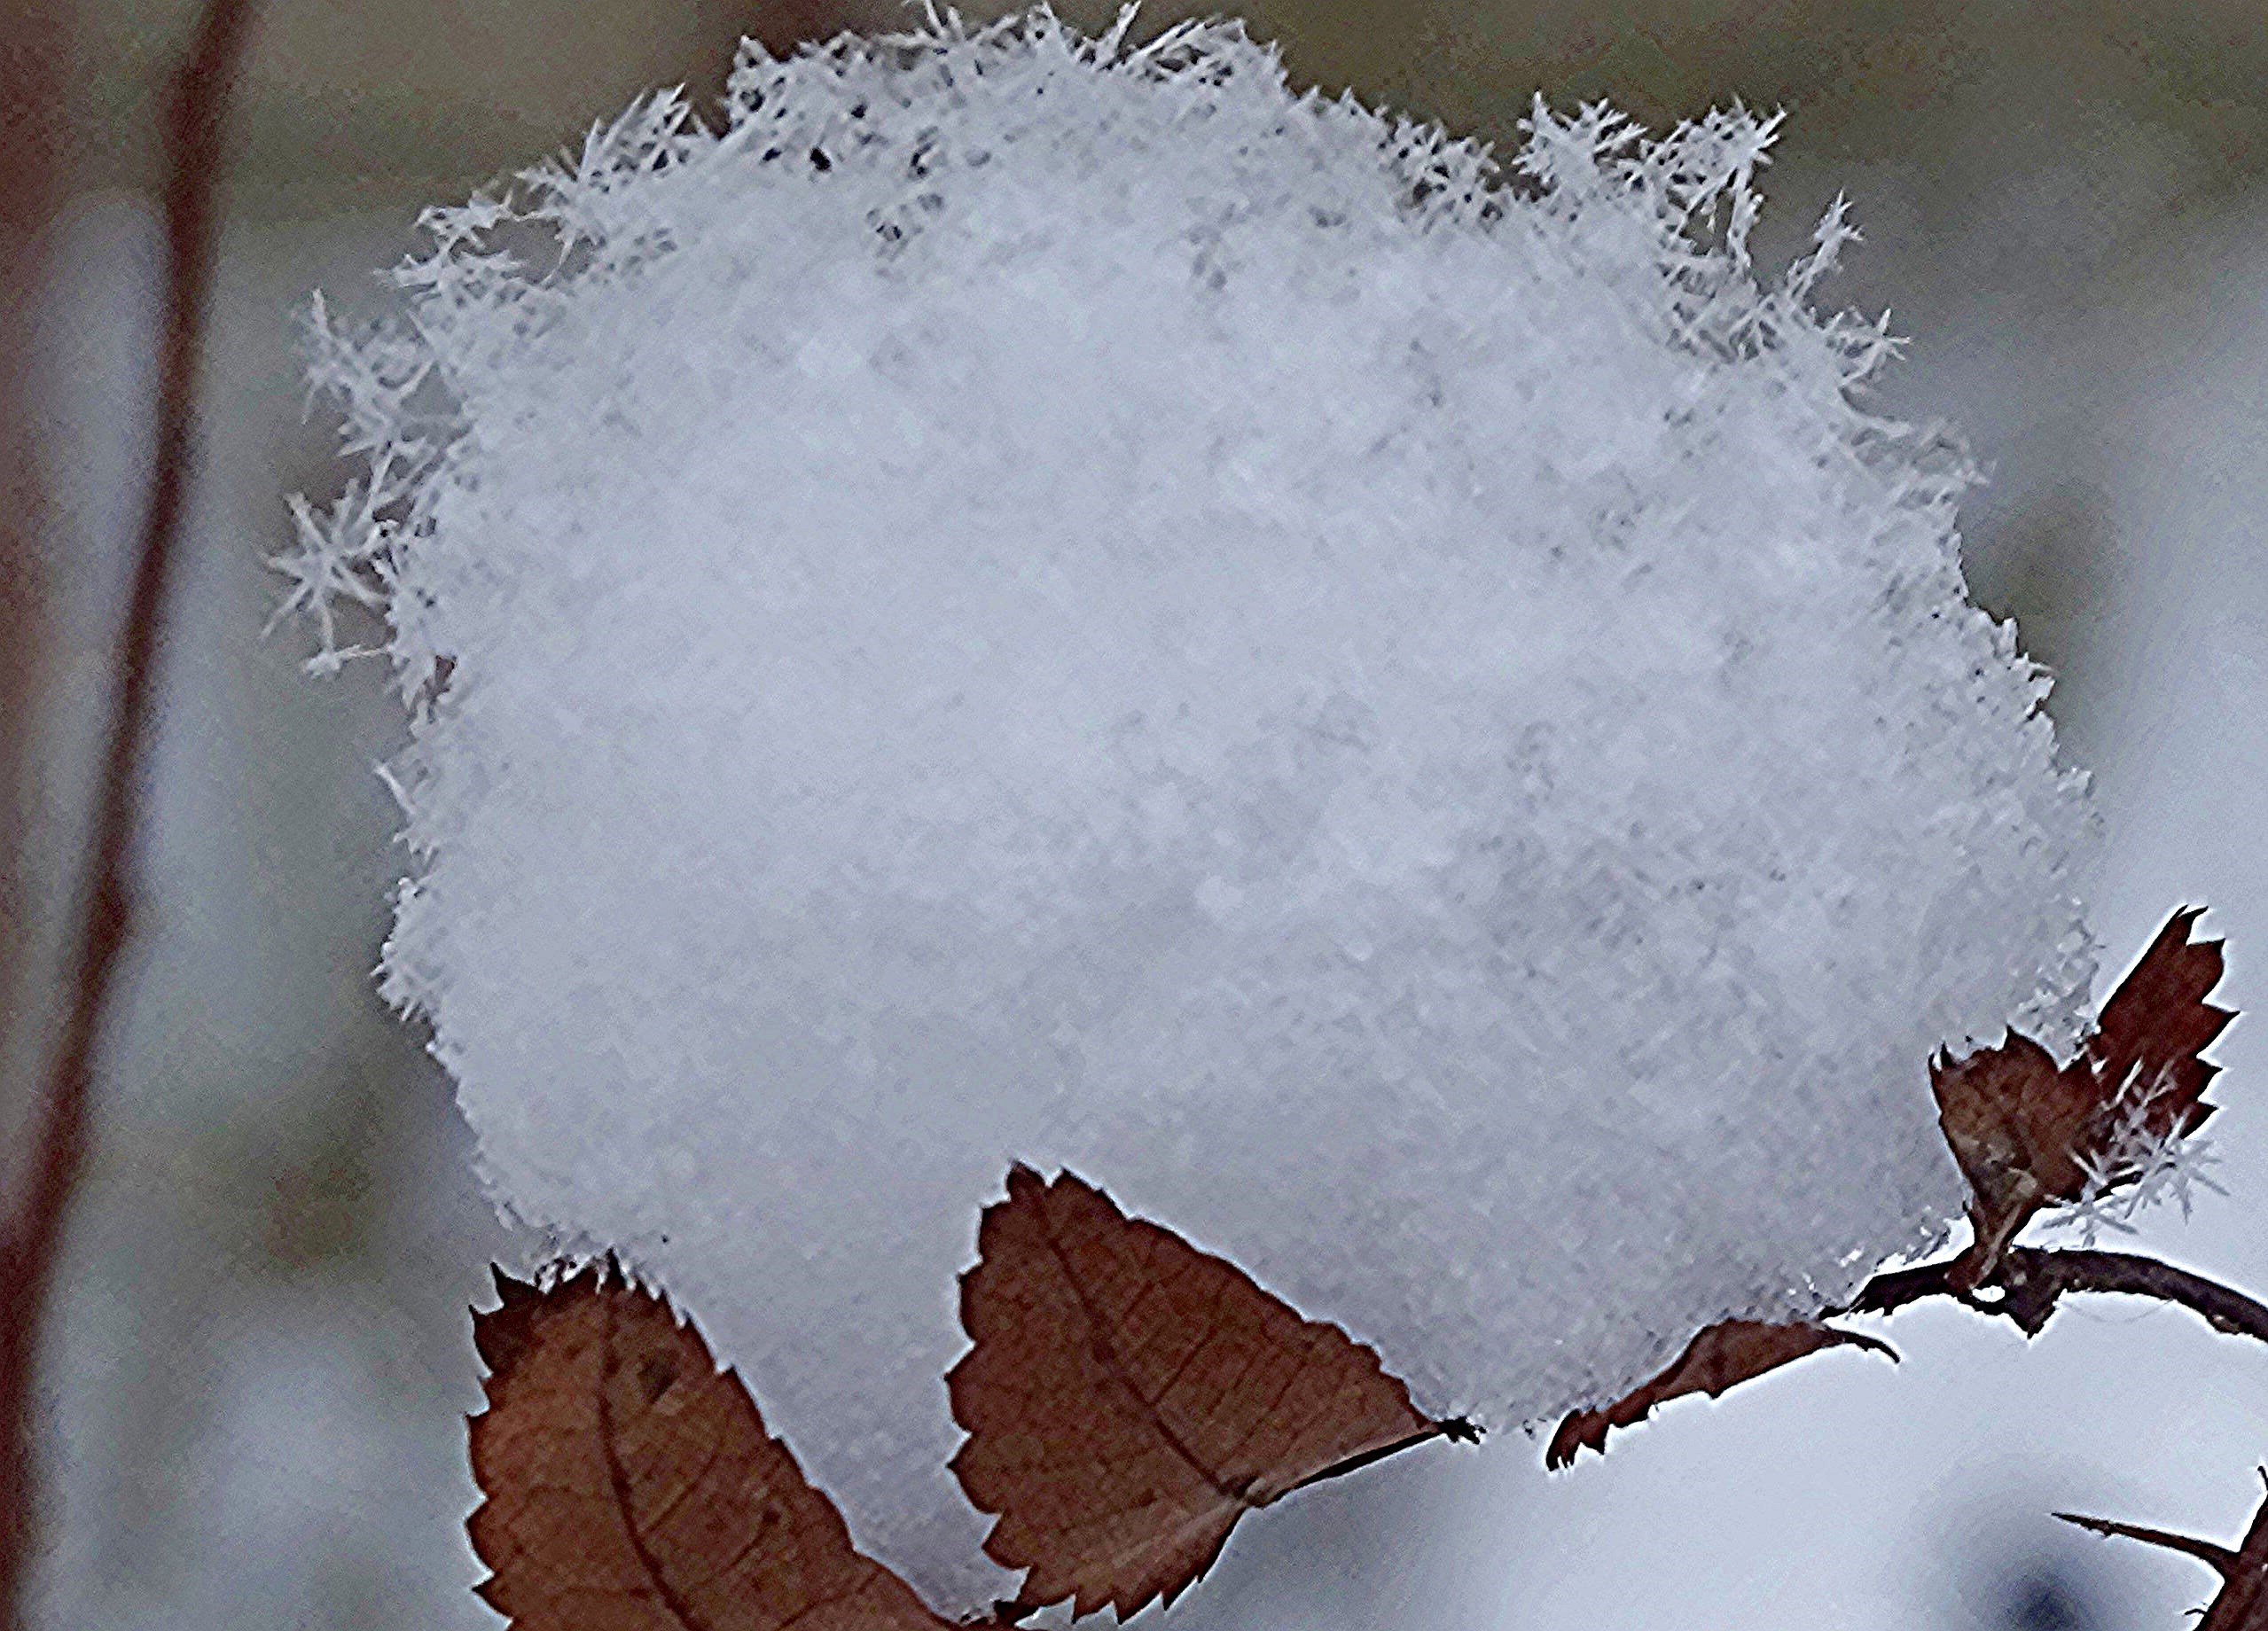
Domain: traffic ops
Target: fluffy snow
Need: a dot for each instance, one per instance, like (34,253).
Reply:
(1037,599)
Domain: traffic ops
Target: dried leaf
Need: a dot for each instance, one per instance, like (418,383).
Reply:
(2158,1021)
(1128,1398)
(2242,1604)
(2028,1135)
(632,1487)
(2017,1126)
(1723,1356)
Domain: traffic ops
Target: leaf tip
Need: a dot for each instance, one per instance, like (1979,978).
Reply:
(1578,1430)
(1872,1345)
(502,1334)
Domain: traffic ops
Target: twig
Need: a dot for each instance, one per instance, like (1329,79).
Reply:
(2221,1559)
(195,128)
(2242,1603)
(2031,1279)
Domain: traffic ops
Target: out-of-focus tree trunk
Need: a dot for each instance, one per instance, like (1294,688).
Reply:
(36,148)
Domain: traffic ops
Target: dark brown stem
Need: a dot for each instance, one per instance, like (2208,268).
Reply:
(2031,1279)
(196,119)
(2242,1603)
(1457,1429)
(2221,1559)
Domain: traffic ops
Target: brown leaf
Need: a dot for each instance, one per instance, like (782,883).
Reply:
(1723,1356)
(631,1485)
(2158,1021)
(2027,1134)
(2242,1604)
(1128,1398)
(2016,1125)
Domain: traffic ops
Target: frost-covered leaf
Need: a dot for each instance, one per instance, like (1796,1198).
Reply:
(1035,597)
(2028,1134)
(631,1486)
(1128,1398)
(1724,1356)
(2156,1026)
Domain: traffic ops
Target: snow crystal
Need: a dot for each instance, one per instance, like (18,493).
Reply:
(2144,1162)
(1039,597)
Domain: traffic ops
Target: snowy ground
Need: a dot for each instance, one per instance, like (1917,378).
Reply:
(262,1363)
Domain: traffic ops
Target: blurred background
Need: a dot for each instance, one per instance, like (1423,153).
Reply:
(259,1365)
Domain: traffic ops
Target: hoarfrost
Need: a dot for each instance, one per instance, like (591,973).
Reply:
(2141,1164)
(1049,598)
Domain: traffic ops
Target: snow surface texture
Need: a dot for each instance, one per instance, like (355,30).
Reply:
(1038,598)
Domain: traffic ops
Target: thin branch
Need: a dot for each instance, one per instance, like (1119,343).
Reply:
(2242,1603)
(195,129)
(2220,1559)
(2031,1279)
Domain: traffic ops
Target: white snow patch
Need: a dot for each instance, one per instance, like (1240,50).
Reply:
(1034,597)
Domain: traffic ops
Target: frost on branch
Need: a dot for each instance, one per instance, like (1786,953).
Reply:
(1039,598)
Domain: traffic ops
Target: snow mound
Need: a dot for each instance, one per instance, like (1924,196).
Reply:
(1038,597)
